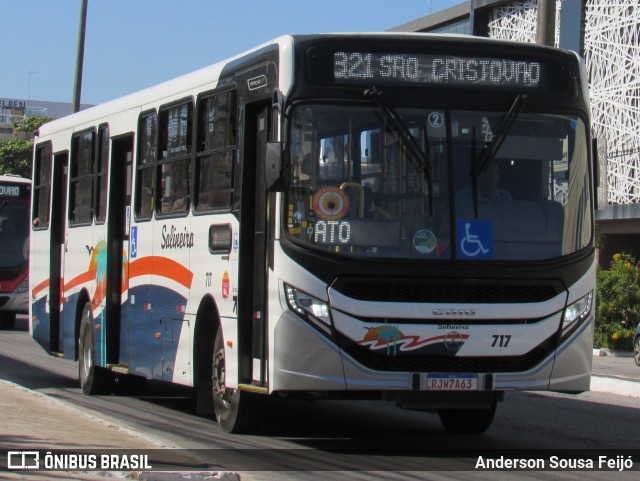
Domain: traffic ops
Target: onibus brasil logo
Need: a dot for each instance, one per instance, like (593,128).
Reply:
(27,460)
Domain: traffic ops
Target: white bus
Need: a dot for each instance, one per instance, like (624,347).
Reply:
(15,198)
(401,217)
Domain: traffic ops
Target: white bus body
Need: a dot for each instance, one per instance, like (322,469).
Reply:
(311,218)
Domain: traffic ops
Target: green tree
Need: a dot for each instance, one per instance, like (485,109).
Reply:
(618,303)
(16,155)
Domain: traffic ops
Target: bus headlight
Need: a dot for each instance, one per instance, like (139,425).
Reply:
(576,312)
(308,307)
(23,286)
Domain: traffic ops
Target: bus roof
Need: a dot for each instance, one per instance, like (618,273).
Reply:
(158,93)
(14,178)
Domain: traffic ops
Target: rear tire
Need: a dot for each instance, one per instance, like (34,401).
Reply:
(467,421)
(235,410)
(7,320)
(93,379)
(636,351)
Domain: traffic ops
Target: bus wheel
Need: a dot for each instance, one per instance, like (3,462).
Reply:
(467,421)
(233,408)
(93,379)
(7,320)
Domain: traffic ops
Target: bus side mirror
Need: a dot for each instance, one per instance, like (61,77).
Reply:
(276,172)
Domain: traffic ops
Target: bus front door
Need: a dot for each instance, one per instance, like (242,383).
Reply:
(57,248)
(253,271)
(118,226)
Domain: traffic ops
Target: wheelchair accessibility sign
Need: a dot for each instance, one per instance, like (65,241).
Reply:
(134,242)
(474,239)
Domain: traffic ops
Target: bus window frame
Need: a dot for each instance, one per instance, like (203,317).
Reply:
(151,166)
(73,157)
(37,187)
(230,88)
(173,160)
(102,170)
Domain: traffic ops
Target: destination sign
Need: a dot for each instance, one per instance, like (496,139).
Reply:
(357,233)
(14,190)
(427,69)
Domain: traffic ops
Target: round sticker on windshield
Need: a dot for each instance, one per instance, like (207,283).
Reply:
(424,241)
(435,119)
(330,203)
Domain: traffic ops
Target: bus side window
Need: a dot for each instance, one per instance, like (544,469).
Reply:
(42,187)
(101,169)
(81,178)
(216,143)
(175,158)
(146,165)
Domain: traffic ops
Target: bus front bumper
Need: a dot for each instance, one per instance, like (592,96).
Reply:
(305,360)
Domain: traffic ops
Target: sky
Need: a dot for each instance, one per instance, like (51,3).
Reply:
(133,44)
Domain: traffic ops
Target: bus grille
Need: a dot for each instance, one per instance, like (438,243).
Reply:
(459,291)
(383,362)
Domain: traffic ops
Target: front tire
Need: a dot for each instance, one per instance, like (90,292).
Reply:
(235,410)
(467,421)
(93,379)
(636,351)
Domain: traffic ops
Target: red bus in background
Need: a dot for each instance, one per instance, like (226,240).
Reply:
(15,197)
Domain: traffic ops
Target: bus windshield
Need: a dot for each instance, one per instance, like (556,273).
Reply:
(14,233)
(356,188)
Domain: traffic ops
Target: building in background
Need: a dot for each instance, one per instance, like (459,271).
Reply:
(12,110)
(607,35)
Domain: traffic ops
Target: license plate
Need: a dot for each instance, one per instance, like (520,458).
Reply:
(452,382)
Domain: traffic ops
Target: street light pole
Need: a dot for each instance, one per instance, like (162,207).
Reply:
(77,84)
(546,23)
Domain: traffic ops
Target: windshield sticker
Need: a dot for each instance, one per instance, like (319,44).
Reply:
(236,242)
(134,242)
(424,241)
(330,203)
(225,285)
(436,120)
(474,239)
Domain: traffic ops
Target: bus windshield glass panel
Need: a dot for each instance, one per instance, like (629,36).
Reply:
(14,224)
(359,188)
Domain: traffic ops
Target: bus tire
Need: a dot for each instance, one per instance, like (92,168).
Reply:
(93,379)
(234,409)
(7,320)
(467,421)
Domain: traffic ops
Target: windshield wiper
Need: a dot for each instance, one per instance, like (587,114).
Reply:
(419,156)
(482,162)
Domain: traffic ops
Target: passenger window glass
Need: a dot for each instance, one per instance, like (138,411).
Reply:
(101,174)
(216,151)
(146,166)
(148,135)
(175,127)
(175,162)
(42,187)
(81,180)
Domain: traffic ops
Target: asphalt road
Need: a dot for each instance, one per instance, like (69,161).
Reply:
(364,430)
